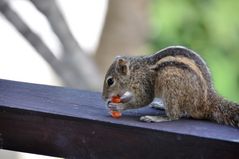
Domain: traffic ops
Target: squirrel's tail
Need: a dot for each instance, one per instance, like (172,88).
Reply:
(225,112)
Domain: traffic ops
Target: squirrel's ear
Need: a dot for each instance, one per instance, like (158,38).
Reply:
(122,66)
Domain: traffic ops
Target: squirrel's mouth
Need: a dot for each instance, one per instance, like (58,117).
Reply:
(119,104)
(124,97)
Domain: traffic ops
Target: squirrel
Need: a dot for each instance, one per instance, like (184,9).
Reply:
(176,75)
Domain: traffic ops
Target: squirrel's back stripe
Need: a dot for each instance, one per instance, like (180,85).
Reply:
(179,51)
(183,63)
(185,59)
(176,64)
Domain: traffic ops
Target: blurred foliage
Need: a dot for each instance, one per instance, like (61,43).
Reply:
(209,27)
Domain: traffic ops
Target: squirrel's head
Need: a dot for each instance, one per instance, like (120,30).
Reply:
(117,78)
(129,75)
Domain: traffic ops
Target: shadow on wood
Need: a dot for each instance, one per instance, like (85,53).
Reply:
(71,123)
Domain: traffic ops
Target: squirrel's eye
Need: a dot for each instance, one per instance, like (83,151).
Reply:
(110,81)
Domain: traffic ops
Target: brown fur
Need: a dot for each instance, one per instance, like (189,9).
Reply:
(179,77)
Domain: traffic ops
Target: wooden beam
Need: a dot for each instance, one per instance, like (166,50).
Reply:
(72,123)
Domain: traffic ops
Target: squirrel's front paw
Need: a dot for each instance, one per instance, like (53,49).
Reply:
(115,107)
(157,119)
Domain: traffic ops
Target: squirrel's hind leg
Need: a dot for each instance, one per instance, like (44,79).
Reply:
(156,119)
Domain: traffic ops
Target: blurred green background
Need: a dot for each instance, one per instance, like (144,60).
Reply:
(209,27)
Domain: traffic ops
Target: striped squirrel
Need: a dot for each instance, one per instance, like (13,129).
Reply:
(178,76)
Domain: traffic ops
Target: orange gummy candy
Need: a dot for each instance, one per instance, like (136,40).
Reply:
(115,99)
(115,114)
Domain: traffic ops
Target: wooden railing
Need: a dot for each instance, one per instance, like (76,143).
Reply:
(72,123)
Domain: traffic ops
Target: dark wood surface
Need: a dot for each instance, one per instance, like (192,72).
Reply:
(72,123)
